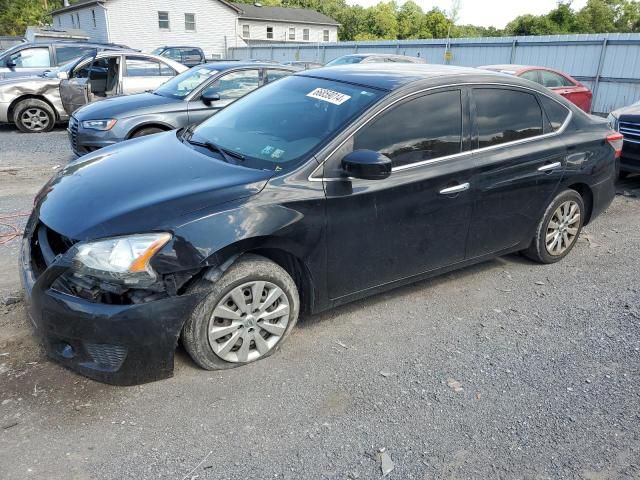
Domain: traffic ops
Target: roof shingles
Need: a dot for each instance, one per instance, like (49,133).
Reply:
(282,14)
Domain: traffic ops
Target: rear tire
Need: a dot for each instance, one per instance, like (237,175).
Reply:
(34,116)
(559,229)
(143,132)
(246,316)
(623,174)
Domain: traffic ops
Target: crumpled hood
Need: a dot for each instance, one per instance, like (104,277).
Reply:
(126,106)
(141,185)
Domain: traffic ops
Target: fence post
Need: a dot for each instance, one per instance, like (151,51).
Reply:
(596,82)
(512,57)
(355,48)
(272,52)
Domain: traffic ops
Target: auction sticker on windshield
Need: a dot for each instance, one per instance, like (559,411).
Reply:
(330,96)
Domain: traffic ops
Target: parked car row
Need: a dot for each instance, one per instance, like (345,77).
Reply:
(317,189)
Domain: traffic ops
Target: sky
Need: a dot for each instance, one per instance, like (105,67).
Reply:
(486,13)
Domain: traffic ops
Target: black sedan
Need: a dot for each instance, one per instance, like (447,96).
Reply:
(191,97)
(322,188)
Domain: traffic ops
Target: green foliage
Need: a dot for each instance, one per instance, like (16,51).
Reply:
(17,15)
(392,20)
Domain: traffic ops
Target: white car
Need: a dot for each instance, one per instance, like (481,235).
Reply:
(35,104)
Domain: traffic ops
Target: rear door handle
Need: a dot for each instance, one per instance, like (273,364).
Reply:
(550,166)
(455,189)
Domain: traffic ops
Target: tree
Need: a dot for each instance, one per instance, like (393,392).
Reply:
(381,21)
(412,21)
(17,15)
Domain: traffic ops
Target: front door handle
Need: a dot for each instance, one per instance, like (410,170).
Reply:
(455,189)
(550,166)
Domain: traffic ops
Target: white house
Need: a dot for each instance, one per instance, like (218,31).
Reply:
(213,25)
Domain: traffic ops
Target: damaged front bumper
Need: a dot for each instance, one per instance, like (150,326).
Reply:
(120,344)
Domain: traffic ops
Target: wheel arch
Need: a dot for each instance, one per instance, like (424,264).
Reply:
(587,197)
(149,124)
(30,96)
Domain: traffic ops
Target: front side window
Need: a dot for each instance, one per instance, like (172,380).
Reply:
(246,31)
(31,58)
(235,84)
(270,33)
(279,124)
(305,34)
(292,33)
(506,115)
(142,67)
(173,54)
(554,80)
(531,75)
(325,35)
(420,129)
(163,20)
(185,83)
(190,22)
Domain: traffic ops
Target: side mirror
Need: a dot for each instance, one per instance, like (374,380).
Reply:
(209,98)
(62,75)
(10,64)
(366,164)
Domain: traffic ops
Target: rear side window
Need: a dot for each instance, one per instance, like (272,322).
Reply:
(273,75)
(556,113)
(553,80)
(531,75)
(142,67)
(421,129)
(506,115)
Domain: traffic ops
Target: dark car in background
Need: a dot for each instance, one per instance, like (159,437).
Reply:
(27,59)
(560,82)
(373,58)
(189,98)
(188,56)
(627,121)
(313,191)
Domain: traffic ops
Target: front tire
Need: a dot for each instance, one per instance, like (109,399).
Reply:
(245,317)
(559,229)
(34,116)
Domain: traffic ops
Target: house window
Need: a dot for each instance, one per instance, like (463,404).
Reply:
(163,20)
(325,35)
(78,19)
(270,33)
(190,22)
(292,33)
(246,32)
(59,21)
(93,16)
(73,21)
(305,34)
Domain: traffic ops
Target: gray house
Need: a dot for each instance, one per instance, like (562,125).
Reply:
(213,25)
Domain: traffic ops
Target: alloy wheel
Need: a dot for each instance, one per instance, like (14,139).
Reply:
(248,322)
(35,119)
(563,228)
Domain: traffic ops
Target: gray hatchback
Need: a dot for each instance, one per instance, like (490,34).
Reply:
(189,98)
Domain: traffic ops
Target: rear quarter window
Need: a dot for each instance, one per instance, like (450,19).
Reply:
(556,114)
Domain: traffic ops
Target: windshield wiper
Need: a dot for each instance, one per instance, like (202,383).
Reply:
(215,148)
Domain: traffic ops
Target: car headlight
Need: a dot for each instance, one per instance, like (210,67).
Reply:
(121,259)
(613,121)
(105,125)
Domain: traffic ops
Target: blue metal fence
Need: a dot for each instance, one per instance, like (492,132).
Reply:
(609,64)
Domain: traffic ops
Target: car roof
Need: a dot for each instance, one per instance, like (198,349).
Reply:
(390,77)
(230,65)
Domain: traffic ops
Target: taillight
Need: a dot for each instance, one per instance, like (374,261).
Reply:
(615,140)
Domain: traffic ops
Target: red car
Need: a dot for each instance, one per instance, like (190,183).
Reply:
(559,82)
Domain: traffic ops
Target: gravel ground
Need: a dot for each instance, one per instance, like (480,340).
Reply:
(504,370)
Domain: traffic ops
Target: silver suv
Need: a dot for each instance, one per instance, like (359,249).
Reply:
(36,104)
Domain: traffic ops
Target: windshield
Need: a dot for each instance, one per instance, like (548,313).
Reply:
(185,83)
(283,122)
(347,59)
